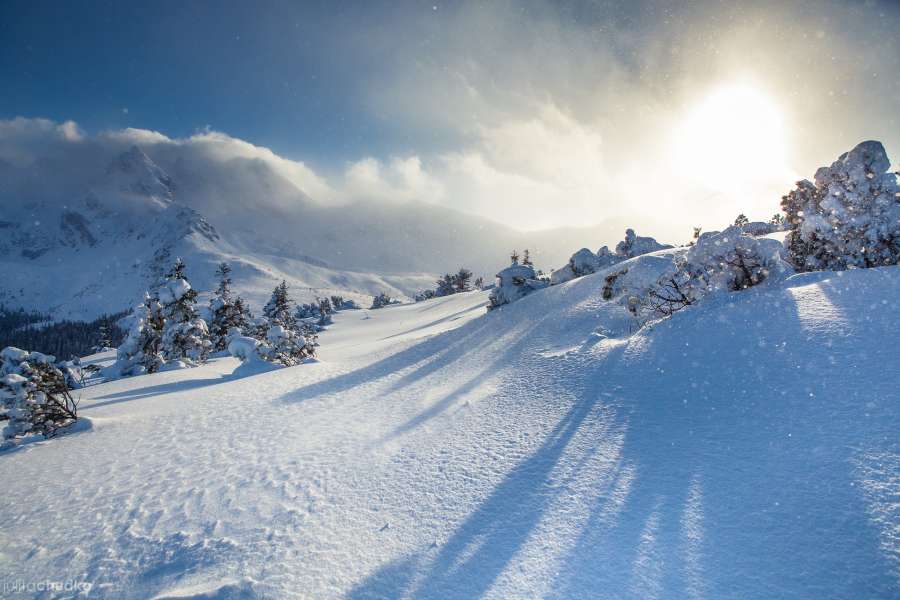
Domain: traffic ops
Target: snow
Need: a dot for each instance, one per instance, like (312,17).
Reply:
(746,447)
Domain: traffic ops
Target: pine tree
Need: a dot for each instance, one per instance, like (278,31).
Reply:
(226,312)
(741,220)
(445,286)
(382,300)
(104,339)
(526,258)
(278,309)
(462,278)
(140,352)
(223,274)
(185,335)
(514,257)
(479,283)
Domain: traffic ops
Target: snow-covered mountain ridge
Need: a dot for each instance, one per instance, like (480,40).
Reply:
(99,252)
(746,447)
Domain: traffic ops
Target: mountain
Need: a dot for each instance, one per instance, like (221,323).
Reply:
(98,253)
(77,240)
(746,447)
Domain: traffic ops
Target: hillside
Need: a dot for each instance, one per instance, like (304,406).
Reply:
(745,448)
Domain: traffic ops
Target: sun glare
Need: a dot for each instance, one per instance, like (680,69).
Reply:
(733,136)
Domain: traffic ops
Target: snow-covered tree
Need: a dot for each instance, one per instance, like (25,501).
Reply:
(461,280)
(281,346)
(777,221)
(583,262)
(140,352)
(849,217)
(34,397)
(104,338)
(445,286)
(225,311)
(382,300)
(479,283)
(526,258)
(185,335)
(729,260)
(635,245)
(278,309)
(514,282)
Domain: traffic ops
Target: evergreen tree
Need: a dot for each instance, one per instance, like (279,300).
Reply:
(445,286)
(382,300)
(140,352)
(514,257)
(479,283)
(104,339)
(741,220)
(278,309)
(463,277)
(185,335)
(226,312)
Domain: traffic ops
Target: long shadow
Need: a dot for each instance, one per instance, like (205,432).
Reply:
(480,549)
(781,512)
(154,390)
(433,347)
(447,318)
(483,545)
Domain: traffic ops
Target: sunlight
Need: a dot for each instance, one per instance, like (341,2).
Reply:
(734,136)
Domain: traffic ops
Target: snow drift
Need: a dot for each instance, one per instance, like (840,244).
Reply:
(746,447)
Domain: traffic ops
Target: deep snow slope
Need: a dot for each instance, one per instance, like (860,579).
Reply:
(745,448)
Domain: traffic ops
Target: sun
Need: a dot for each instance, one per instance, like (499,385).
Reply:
(735,136)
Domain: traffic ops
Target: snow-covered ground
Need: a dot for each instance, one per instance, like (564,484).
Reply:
(747,447)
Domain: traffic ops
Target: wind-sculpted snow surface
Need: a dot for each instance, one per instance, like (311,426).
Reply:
(746,447)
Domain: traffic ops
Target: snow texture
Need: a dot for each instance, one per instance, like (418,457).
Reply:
(744,448)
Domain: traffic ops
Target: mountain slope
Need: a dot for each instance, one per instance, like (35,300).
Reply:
(746,447)
(99,253)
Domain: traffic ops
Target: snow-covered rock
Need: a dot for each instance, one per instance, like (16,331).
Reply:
(513,283)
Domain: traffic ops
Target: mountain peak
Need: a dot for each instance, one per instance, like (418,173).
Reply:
(139,174)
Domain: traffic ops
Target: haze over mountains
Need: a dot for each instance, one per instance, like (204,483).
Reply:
(89,222)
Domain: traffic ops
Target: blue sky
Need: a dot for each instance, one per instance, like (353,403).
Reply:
(271,72)
(535,112)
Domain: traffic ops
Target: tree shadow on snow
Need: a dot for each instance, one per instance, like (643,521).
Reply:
(153,390)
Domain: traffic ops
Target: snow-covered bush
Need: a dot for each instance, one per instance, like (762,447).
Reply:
(340,303)
(140,352)
(583,262)
(424,295)
(382,300)
(287,347)
(850,216)
(729,260)
(635,245)
(34,397)
(281,346)
(321,310)
(225,311)
(185,336)
(514,282)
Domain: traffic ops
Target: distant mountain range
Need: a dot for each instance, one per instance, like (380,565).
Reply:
(95,247)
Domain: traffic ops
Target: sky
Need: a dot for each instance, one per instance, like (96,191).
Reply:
(536,114)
